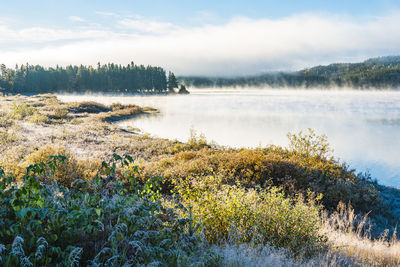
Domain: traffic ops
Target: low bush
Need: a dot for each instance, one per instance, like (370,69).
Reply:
(22,110)
(103,226)
(39,118)
(60,113)
(17,160)
(67,173)
(233,214)
(306,166)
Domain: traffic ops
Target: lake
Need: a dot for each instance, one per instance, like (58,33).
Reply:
(363,127)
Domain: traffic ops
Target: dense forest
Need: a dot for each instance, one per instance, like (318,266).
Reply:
(108,78)
(382,72)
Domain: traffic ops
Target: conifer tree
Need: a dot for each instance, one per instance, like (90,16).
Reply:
(172,83)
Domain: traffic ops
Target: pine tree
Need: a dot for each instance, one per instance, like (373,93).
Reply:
(172,83)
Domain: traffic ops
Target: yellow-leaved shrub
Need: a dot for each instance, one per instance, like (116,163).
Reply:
(73,168)
(232,212)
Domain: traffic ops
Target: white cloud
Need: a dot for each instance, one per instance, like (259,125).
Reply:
(241,46)
(149,26)
(32,35)
(108,14)
(76,19)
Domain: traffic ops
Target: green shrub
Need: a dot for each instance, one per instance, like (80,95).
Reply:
(103,225)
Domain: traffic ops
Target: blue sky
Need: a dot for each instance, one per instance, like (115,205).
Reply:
(55,12)
(198,37)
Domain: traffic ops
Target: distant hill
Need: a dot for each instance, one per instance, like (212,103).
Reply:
(374,73)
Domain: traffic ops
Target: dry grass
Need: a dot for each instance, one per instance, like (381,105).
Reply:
(350,235)
(47,126)
(16,163)
(87,107)
(124,113)
(260,256)
(60,113)
(39,118)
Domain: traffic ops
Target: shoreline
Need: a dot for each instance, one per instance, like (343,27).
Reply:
(90,131)
(207,177)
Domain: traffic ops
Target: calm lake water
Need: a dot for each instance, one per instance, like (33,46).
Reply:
(362,127)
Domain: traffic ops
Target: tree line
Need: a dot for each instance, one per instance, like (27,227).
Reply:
(107,78)
(382,72)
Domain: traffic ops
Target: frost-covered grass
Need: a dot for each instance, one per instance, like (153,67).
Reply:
(351,234)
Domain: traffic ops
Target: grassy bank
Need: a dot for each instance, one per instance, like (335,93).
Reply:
(177,204)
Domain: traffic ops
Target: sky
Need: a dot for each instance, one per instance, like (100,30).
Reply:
(206,37)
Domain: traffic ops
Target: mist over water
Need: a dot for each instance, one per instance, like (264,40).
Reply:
(363,127)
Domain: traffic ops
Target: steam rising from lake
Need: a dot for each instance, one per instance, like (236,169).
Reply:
(362,126)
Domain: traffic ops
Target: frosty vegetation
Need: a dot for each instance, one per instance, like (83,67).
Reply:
(76,190)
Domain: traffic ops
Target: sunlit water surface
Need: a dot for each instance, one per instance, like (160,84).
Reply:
(362,127)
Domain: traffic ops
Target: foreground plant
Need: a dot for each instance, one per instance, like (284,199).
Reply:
(100,225)
(261,216)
